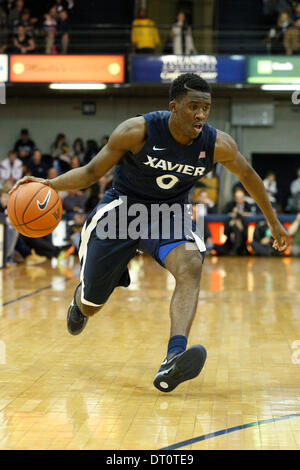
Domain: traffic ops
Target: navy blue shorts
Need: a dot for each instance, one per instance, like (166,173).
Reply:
(108,243)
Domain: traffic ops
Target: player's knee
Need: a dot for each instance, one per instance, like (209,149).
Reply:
(191,268)
(89,311)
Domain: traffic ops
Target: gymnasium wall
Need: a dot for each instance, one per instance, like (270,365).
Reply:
(45,118)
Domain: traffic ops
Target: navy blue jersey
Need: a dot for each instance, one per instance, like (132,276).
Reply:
(164,170)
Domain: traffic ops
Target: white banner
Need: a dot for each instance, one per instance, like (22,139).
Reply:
(3,68)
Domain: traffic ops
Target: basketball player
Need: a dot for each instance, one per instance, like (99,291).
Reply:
(159,157)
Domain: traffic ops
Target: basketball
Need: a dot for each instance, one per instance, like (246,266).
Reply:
(34,209)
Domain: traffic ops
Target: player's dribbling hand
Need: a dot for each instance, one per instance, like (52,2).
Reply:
(28,179)
(281,237)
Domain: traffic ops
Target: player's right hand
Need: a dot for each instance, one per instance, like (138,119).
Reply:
(28,179)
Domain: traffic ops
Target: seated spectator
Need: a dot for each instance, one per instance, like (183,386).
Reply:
(27,21)
(11,234)
(24,146)
(294,200)
(236,228)
(75,162)
(57,146)
(262,243)
(15,13)
(35,166)
(50,27)
(11,167)
(208,205)
(53,173)
(62,31)
(37,246)
(144,34)
(296,11)
(23,42)
(294,232)
(75,227)
(74,202)
(239,205)
(276,37)
(78,149)
(270,185)
(182,37)
(91,151)
(64,159)
(292,38)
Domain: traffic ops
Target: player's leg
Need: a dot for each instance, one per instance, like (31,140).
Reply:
(186,267)
(103,267)
(180,363)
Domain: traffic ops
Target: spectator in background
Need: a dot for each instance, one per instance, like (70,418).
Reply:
(271,187)
(276,38)
(182,37)
(50,25)
(53,173)
(74,202)
(8,5)
(295,184)
(262,243)
(296,11)
(236,228)
(239,205)
(292,38)
(24,146)
(75,162)
(63,162)
(294,200)
(23,42)
(78,149)
(57,146)
(208,205)
(11,234)
(60,5)
(294,232)
(103,141)
(35,166)
(62,31)
(27,21)
(91,151)
(11,167)
(15,13)
(144,34)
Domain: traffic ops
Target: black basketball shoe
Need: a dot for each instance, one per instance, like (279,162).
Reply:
(76,321)
(180,367)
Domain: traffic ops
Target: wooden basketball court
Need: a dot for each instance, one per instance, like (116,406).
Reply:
(94,391)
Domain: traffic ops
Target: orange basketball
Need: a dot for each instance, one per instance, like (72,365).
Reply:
(34,209)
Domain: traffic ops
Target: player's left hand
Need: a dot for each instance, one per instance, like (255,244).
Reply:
(280,235)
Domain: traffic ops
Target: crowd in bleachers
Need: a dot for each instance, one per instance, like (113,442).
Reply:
(25,158)
(283,17)
(35,27)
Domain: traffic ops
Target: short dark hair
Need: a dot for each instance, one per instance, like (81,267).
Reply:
(191,80)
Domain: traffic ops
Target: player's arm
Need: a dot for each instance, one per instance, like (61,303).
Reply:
(227,153)
(128,136)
